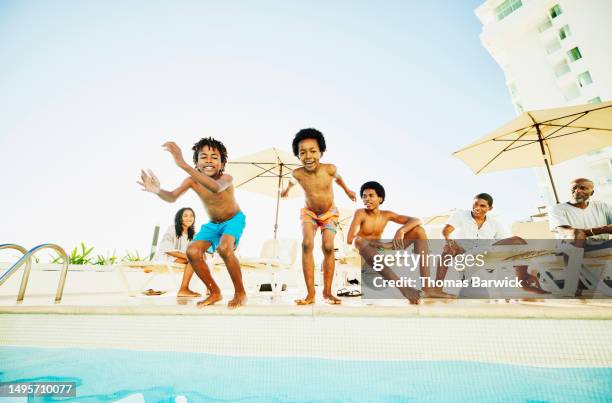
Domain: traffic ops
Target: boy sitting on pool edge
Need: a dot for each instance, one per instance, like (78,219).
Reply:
(368,226)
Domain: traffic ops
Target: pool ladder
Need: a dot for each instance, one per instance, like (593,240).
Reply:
(27,259)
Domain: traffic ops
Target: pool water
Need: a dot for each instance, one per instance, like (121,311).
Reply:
(109,375)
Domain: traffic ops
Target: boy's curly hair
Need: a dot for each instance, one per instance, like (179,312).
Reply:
(308,134)
(376,187)
(210,143)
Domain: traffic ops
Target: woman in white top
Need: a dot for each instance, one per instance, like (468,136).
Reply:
(173,246)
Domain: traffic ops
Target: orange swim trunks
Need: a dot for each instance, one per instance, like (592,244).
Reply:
(328,220)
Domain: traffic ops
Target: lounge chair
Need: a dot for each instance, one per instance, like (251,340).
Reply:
(557,274)
(500,262)
(596,271)
(277,258)
(153,269)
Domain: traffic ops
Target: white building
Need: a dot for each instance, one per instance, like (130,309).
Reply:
(555,53)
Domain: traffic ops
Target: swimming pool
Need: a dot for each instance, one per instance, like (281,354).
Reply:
(256,358)
(110,375)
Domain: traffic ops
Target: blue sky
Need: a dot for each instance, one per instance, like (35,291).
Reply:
(90,91)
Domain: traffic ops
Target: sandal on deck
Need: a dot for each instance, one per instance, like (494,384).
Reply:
(151,292)
(343,292)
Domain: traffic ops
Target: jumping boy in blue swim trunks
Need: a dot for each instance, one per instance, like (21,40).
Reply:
(227,222)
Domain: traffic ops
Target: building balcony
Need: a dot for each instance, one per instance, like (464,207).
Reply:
(562,70)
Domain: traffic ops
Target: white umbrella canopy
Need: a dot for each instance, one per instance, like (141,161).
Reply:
(434,224)
(438,219)
(266,172)
(541,138)
(263,171)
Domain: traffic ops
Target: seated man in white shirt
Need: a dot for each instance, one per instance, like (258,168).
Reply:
(481,230)
(587,222)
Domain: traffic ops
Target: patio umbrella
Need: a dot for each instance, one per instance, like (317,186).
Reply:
(344,221)
(542,138)
(265,172)
(433,224)
(438,219)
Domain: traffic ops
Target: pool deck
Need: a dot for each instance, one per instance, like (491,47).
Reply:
(104,293)
(167,304)
(551,333)
(511,333)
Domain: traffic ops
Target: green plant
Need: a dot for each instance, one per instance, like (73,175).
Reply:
(131,257)
(77,257)
(106,260)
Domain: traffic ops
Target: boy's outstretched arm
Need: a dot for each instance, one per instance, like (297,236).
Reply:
(291,184)
(215,186)
(150,183)
(334,172)
(355,225)
(409,223)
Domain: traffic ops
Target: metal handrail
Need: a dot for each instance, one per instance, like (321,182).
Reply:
(7,274)
(26,273)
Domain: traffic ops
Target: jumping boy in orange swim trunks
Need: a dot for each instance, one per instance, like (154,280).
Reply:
(316,179)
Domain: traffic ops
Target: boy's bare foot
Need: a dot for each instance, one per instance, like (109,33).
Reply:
(238,300)
(535,290)
(330,299)
(310,299)
(435,292)
(188,293)
(412,294)
(212,298)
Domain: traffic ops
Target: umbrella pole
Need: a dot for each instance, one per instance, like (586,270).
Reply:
(552,182)
(280,178)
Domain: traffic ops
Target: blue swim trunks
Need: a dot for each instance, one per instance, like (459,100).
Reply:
(212,231)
